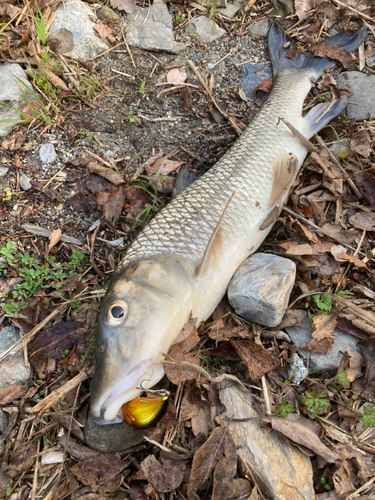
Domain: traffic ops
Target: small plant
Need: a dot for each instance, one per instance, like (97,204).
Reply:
(40,25)
(342,379)
(180,19)
(76,260)
(142,87)
(132,118)
(89,134)
(283,409)
(316,403)
(368,419)
(323,302)
(325,484)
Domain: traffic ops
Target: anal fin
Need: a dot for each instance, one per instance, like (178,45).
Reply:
(321,114)
(212,253)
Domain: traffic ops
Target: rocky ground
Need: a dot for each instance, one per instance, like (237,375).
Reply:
(273,396)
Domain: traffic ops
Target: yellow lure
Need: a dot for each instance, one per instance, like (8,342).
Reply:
(144,412)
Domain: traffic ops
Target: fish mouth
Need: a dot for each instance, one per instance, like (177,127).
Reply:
(127,388)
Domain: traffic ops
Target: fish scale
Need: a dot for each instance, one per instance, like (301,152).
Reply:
(186,224)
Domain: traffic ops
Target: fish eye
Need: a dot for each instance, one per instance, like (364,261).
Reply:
(116,312)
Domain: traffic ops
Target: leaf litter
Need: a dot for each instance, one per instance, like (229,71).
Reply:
(329,233)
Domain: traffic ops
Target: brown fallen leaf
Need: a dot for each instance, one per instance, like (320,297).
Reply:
(368,350)
(339,253)
(334,52)
(360,144)
(323,327)
(8,11)
(225,469)
(349,323)
(54,239)
(303,7)
(55,80)
(337,232)
(265,86)
(22,459)
(14,142)
(176,76)
(4,480)
(366,184)
(163,166)
(301,434)
(102,473)
(352,363)
(104,172)
(105,31)
(205,460)
(256,358)
(292,317)
(303,249)
(185,95)
(343,479)
(163,185)
(305,209)
(164,476)
(51,193)
(363,220)
(127,5)
(11,393)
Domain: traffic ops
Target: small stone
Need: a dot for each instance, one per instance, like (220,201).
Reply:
(362,102)
(260,288)
(13,370)
(206,29)
(47,153)
(370,61)
(3,421)
(75,16)
(3,171)
(231,9)
(105,14)
(321,363)
(25,182)
(297,371)
(259,30)
(11,92)
(152,29)
(253,75)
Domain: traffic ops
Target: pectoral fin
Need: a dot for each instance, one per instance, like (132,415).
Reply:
(284,172)
(212,253)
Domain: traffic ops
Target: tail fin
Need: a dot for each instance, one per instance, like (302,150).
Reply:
(277,39)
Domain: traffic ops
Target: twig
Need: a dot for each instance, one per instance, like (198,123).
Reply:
(302,139)
(92,259)
(209,93)
(123,74)
(106,51)
(162,119)
(106,163)
(36,467)
(338,165)
(127,47)
(190,365)
(370,482)
(354,10)
(53,177)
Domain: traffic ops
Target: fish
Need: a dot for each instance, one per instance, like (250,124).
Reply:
(180,265)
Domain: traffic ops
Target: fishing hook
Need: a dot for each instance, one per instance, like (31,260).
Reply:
(159,392)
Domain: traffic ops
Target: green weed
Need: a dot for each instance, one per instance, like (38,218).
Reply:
(141,89)
(324,483)
(316,403)
(368,419)
(40,25)
(180,19)
(283,409)
(341,378)
(132,118)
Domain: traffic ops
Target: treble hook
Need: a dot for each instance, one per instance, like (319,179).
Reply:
(159,392)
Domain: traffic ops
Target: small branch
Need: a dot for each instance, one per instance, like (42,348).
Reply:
(354,10)
(302,139)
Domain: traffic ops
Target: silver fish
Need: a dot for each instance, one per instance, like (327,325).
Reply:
(182,262)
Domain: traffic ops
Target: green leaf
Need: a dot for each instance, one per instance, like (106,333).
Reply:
(342,379)
(368,419)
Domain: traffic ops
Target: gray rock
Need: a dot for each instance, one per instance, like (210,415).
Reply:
(259,30)
(3,421)
(13,369)
(280,470)
(74,16)
(206,29)
(370,61)
(105,14)
(297,371)
(11,93)
(260,288)
(231,9)
(25,182)
(321,363)
(3,170)
(47,153)
(253,75)
(151,29)
(362,102)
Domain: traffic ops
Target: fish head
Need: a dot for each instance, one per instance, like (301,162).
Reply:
(145,307)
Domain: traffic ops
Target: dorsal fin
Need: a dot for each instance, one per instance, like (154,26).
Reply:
(285,170)
(213,248)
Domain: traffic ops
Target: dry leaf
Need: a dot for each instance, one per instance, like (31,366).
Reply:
(343,479)
(334,52)
(106,173)
(257,359)
(163,166)
(304,249)
(323,327)
(265,86)
(225,469)
(363,220)
(302,434)
(205,460)
(200,423)
(55,80)
(165,476)
(176,76)
(352,364)
(349,323)
(366,184)
(105,31)
(14,142)
(54,239)
(102,473)
(127,5)
(368,351)
(303,7)
(359,143)
(339,253)
(22,459)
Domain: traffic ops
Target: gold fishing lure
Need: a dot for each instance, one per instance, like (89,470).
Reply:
(144,412)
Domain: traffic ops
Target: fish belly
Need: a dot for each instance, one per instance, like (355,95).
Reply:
(185,225)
